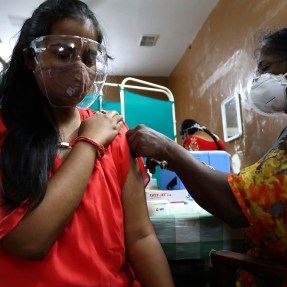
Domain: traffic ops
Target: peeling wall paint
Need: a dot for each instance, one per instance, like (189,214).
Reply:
(219,63)
(232,63)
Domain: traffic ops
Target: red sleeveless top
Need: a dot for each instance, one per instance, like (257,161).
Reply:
(91,250)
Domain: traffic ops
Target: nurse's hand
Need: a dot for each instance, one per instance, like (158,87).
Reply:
(146,142)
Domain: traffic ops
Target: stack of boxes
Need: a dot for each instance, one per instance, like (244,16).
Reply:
(219,160)
(170,186)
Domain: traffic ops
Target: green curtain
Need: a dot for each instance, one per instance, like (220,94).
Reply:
(154,113)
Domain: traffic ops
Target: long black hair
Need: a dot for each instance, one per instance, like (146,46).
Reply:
(191,127)
(30,141)
(274,43)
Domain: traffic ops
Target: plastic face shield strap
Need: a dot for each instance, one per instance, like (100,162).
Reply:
(71,70)
(195,126)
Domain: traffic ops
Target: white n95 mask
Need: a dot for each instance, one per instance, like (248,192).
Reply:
(268,94)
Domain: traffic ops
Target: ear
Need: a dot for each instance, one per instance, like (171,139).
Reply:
(29,59)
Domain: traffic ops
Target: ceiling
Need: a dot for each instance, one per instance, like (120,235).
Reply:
(124,22)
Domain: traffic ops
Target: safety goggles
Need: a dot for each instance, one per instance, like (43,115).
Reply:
(60,49)
(262,69)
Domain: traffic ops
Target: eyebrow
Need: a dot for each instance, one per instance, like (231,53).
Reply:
(262,64)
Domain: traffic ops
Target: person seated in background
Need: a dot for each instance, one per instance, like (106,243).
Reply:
(197,137)
(256,198)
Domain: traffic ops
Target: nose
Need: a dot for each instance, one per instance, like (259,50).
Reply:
(78,57)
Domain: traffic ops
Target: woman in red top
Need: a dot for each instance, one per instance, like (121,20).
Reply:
(197,137)
(72,203)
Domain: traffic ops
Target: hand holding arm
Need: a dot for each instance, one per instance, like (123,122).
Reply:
(101,127)
(209,188)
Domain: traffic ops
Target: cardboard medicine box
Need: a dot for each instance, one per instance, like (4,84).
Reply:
(169,195)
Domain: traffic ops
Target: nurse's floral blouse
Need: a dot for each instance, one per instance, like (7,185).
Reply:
(261,191)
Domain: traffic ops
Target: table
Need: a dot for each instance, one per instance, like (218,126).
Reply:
(187,231)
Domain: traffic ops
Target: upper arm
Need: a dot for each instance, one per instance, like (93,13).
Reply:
(136,219)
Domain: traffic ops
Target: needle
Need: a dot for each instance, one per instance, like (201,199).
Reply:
(162,164)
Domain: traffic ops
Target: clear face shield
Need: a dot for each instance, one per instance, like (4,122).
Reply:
(70,70)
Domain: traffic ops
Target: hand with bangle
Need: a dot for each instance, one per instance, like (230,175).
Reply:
(105,125)
(101,127)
